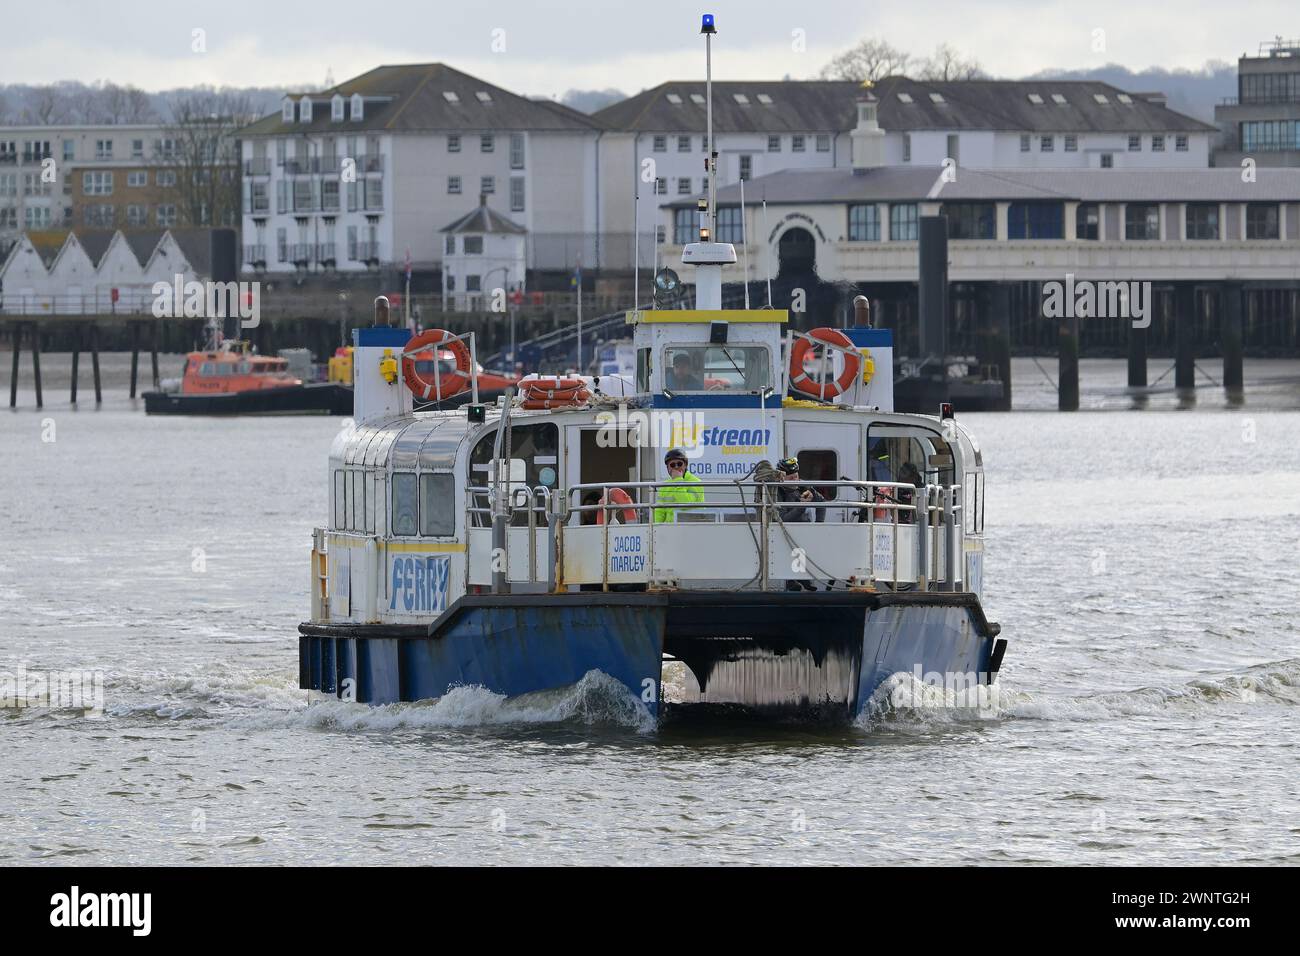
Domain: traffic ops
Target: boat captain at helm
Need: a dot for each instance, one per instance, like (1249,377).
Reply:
(680,490)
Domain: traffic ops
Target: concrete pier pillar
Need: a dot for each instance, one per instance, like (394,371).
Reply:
(1000,322)
(1184,335)
(94,361)
(36,363)
(1067,389)
(1137,356)
(153,351)
(135,355)
(1230,310)
(13,375)
(76,361)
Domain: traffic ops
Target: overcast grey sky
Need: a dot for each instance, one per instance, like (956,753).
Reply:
(550,47)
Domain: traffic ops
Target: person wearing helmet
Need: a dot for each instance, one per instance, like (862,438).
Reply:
(680,490)
(801,495)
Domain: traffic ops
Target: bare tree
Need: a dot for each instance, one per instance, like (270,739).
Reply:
(200,145)
(871,59)
(948,64)
(46,107)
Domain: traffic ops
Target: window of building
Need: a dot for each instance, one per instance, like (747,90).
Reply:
(660,144)
(1046,144)
(740,98)
(473,283)
(774,144)
(683,144)
(697,99)
(166,215)
(661,186)
(797,143)
(483,96)
(661,235)
(1262,220)
(1203,220)
(487,143)
(902,222)
(864,222)
(1107,160)
(516,150)
(165,177)
(746,167)
(336,109)
(286,110)
(823,143)
(516,193)
(137,177)
(1180,143)
(282,243)
(1157,143)
(449,246)
(69,150)
(473,245)
(304,110)
(1024,142)
(1071,143)
(971,220)
(1135,143)
(1036,220)
(487,184)
(1142,221)
(103,149)
(684,226)
(729,224)
(907,147)
(97,183)
(453,185)
(1270,135)
(683,185)
(675,99)
(453,142)
(1087,221)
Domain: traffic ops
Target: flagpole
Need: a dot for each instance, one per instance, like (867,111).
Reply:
(579,315)
(407,298)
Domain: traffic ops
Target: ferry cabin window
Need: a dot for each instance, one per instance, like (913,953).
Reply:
(820,465)
(404,503)
(537,445)
(644,366)
(701,368)
(437,506)
(340,501)
(357,498)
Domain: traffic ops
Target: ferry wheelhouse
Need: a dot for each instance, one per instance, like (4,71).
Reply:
(521,544)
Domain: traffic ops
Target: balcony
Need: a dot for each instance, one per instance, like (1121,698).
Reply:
(255,256)
(8,159)
(302,253)
(370,163)
(257,166)
(325,253)
(327,165)
(364,252)
(297,167)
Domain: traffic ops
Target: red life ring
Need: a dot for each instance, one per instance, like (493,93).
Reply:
(444,386)
(799,379)
(617,496)
(553,393)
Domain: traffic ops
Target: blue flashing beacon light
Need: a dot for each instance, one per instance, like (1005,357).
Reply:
(706,25)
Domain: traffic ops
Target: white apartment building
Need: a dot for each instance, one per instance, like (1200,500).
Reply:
(368,172)
(766,127)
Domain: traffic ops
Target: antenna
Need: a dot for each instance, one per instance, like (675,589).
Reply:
(744,242)
(768,257)
(636,239)
(711,157)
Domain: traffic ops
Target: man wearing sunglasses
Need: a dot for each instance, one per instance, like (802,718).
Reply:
(680,490)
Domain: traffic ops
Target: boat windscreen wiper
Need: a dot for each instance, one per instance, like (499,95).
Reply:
(739,371)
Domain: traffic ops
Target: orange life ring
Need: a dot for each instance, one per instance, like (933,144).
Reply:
(799,379)
(444,386)
(617,496)
(553,393)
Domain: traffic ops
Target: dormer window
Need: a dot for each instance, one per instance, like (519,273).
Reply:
(450,96)
(286,110)
(1058,99)
(336,109)
(697,99)
(674,99)
(936,97)
(740,98)
(1100,98)
(1035,99)
(304,110)
(484,96)
(765,99)
(904,97)
(358,107)
(1125,99)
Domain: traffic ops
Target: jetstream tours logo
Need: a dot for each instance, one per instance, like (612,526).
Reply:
(56,690)
(1086,299)
(208,300)
(673,429)
(75,909)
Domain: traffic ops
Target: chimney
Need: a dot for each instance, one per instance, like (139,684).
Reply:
(867,138)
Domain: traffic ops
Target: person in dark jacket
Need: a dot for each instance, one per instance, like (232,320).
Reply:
(802,497)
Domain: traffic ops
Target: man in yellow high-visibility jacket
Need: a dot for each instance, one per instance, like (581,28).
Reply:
(680,491)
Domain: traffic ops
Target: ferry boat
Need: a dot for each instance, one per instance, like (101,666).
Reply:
(228,378)
(523,544)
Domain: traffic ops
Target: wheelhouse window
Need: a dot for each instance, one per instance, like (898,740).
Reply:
(716,368)
(535,446)
(974,220)
(902,222)
(1036,220)
(340,500)
(1142,221)
(437,505)
(405,505)
(1203,220)
(1262,220)
(864,223)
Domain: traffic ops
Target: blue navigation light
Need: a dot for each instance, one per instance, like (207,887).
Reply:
(706,25)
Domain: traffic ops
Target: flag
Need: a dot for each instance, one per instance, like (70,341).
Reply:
(408,263)
(575,280)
